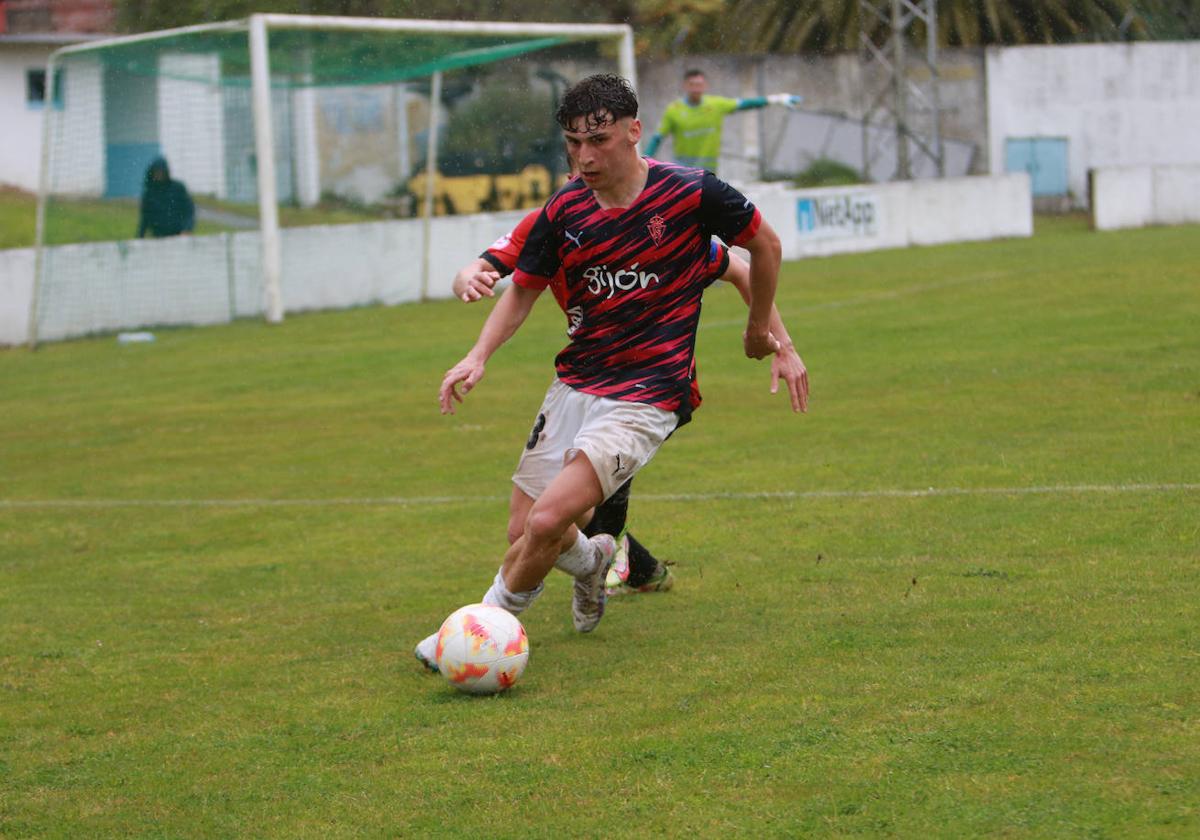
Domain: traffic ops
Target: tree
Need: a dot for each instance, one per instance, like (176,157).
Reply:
(755,26)
(791,26)
(503,129)
(143,15)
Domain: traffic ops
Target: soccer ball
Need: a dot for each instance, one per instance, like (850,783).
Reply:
(482,649)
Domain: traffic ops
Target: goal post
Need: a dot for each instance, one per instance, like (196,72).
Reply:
(262,113)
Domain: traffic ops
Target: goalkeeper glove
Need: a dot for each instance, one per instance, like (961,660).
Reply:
(788,100)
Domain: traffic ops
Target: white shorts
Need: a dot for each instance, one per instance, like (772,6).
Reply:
(618,437)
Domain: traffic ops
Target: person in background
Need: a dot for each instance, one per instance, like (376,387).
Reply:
(694,122)
(166,209)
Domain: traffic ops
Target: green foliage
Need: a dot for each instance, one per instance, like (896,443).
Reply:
(790,26)
(141,15)
(755,26)
(984,663)
(504,128)
(824,172)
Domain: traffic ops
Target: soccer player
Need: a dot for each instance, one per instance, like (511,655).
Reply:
(635,569)
(632,238)
(694,122)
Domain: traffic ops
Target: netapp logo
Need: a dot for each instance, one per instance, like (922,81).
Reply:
(851,214)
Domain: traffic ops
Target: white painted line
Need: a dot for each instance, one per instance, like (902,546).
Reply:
(427,501)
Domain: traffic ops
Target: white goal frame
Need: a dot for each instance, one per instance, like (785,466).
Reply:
(258,27)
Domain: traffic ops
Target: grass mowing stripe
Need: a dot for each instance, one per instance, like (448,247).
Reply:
(1070,489)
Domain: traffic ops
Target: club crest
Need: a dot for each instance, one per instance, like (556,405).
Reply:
(657,227)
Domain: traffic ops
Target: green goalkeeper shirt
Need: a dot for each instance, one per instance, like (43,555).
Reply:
(695,130)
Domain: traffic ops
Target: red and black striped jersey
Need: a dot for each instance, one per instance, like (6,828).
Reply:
(505,251)
(634,278)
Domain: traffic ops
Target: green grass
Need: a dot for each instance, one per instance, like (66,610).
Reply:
(1021,664)
(96,220)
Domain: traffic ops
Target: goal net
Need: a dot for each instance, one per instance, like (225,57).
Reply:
(285,162)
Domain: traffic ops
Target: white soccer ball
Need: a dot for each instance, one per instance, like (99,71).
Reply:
(482,649)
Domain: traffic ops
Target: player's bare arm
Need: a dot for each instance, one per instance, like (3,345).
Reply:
(766,254)
(786,364)
(504,320)
(475,280)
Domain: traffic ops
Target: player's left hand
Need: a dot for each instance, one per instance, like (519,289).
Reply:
(788,366)
(759,345)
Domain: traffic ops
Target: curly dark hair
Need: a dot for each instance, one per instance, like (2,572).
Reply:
(600,100)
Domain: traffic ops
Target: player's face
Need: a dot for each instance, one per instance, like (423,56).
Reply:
(606,153)
(695,87)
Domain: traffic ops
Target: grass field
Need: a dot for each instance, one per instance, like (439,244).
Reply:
(959,598)
(95,220)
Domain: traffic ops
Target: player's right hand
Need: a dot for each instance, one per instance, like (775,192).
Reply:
(759,344)
(476,285)
(468,372)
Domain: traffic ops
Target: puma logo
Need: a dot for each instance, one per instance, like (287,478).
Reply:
(574,238)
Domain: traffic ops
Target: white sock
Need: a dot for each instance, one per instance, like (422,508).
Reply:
(515,602)
(579,559)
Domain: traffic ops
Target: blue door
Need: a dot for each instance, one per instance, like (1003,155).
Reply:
(1044,158)
(125,168)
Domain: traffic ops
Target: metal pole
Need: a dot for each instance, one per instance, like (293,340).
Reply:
(626,64)
(400,103)
(760,85)
(931,54)
(264,148)
(900,81)
(435,101)
(477,27)
(39,254)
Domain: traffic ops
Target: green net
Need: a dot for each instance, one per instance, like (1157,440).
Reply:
(304,58)
(350,115)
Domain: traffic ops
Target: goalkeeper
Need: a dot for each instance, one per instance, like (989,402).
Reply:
(694,122)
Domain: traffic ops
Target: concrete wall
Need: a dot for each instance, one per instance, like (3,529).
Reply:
(1116,104)
(106,286)
(872,217)
(16,294)
(1137,196)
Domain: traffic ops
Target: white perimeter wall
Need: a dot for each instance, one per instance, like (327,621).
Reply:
(1137,196)
(107,286)
(871,217)
(1116,104)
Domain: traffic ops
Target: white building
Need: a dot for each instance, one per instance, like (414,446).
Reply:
(23,102)
(1060,111)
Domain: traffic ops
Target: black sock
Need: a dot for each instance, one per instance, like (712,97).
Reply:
(609,517)
(641,563)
